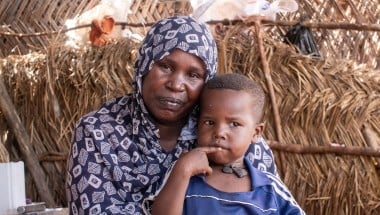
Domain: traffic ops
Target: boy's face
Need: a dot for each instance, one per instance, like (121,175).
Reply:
(228,120)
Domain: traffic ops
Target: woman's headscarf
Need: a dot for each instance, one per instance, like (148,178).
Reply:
(177,32)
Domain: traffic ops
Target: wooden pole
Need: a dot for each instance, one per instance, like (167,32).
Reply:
(324,25)
(268,78)
(309,24)
(269,82)
(338,149)
(332,148)
(24,142)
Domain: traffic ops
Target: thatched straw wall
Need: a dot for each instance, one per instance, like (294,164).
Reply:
(51,91)
(334,99)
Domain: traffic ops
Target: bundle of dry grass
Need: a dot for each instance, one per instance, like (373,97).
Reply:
(51,91)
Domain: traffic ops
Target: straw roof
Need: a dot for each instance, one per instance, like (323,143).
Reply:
(333,99)
(340,40)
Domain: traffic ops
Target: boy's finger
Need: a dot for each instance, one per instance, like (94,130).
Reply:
(207,172)
(209,149)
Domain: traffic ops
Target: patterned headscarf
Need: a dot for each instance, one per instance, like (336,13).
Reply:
(177,32)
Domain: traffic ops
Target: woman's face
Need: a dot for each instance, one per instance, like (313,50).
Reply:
(172,87)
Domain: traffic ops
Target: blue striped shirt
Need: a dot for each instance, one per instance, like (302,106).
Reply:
(269,195)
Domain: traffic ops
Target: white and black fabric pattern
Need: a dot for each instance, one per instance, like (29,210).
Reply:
(116,160)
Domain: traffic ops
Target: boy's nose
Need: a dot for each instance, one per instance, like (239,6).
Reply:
(220,132)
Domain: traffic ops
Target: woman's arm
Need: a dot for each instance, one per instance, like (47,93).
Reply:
(86,182)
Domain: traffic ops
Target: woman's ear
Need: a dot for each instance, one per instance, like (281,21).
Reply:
(259,129)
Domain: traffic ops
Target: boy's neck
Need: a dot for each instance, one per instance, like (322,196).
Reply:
(228,182)
(237,168)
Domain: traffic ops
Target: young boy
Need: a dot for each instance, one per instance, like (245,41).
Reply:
(216,178)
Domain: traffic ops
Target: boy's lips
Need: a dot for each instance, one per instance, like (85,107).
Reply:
(219,144)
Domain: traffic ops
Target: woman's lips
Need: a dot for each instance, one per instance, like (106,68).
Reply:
(170,103)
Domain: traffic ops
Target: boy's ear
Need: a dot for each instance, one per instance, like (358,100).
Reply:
(259,129)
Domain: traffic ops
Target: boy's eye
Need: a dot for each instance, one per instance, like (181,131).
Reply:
(235,124)
(209,122)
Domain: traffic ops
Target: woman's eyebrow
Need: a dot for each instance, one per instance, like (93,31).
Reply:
(170,61)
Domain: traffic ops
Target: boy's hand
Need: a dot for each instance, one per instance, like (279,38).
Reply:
(194,162)
(174,190)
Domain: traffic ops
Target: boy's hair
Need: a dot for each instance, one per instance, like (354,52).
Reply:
(239,82)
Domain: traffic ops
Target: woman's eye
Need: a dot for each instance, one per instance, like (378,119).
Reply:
(164,66)
(194,75)
(197,74)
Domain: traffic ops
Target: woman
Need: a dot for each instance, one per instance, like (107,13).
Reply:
(121,152)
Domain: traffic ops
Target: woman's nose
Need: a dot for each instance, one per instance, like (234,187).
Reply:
(176,82)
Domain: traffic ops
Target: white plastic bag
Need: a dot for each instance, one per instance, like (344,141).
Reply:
(207,10)
(270,10)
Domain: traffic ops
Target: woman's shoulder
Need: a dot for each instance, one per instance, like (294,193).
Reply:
(261,156)
(107,111)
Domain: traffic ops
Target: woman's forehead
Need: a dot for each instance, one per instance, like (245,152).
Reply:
(179,32)
(179,56)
